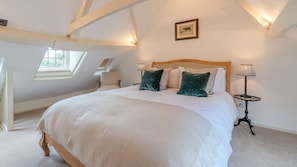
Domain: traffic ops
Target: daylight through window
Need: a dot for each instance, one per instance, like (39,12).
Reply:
(55,60)
(59,64)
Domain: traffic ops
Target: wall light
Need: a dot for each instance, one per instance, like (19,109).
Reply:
(133,41)
(265,12)
(264,22)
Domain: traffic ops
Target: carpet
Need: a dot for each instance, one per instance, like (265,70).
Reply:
(268,148)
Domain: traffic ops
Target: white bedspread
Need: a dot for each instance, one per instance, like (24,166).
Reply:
(127,128)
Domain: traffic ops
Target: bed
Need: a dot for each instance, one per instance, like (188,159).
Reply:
(131,127)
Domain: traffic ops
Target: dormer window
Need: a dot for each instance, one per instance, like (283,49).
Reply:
(59,64)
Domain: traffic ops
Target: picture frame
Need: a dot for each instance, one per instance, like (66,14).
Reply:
(187,29)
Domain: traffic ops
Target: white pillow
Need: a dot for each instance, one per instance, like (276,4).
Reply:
(220,81)
(174,79)
(164,78)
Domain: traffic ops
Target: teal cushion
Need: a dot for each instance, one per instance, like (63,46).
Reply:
(151,80)
(194,84)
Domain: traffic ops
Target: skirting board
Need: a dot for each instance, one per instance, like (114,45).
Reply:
(42,103)
(274,128)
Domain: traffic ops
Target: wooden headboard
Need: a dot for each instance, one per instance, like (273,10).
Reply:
(194,63)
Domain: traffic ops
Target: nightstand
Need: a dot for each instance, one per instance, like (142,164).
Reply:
(246,118)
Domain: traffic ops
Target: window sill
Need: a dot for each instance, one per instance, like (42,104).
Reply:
(52,75)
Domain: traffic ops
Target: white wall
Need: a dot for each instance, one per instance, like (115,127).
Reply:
(24,60)
(226,32)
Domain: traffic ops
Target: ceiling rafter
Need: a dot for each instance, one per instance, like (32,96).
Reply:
(101,12)
(132,16)
(84,9)
(265,16)
(254,13)
(43,39)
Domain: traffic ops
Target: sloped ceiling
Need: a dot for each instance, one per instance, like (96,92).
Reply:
(286,24)
(40,16)
(264,11)
(279,13)
(76,22)
(43,22)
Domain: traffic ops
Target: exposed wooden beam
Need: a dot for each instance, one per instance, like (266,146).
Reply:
(265,9)
(133,20)
(34,38)
(101,12)
(84,8)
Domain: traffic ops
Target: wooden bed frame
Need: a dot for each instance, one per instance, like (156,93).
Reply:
(194,63)
(46,140)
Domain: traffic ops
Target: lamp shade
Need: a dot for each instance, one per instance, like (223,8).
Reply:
(141,67)
(247,70)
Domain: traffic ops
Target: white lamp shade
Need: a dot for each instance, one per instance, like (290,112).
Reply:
(141,67)
(247,70)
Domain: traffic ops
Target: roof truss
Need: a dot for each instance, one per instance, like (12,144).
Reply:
(82,19)
(42,39)
(101,12)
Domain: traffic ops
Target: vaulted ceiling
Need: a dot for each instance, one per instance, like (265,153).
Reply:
(87,25)
(277,16)
(264,11)
(79,24)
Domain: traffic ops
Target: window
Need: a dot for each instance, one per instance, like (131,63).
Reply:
(103,66)
(55,60)
(59,64)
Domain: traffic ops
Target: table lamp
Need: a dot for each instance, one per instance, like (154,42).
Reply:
(246,70)
(141,68)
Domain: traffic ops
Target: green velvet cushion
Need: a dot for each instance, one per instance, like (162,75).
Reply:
(151,80)
(194,84)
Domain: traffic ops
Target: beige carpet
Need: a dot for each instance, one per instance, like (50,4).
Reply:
(268,148)
(20,148)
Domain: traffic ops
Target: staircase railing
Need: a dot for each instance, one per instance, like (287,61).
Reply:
(6,94)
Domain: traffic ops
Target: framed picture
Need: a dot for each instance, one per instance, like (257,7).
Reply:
(186,29)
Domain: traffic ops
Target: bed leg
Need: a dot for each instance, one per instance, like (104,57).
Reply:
(43,144)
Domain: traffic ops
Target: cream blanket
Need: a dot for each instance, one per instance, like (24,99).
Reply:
(104,130)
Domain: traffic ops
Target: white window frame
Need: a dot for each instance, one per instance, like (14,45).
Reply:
(52,74)
(103,66)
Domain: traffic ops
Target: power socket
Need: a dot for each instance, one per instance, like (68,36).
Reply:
(240,104)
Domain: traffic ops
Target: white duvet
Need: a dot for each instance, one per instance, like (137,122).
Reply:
(131,128)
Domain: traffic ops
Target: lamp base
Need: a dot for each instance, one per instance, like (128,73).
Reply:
(245,96)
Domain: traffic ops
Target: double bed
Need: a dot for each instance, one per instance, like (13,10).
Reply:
(131,127)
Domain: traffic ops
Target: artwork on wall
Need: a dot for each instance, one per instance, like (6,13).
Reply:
(186,29)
